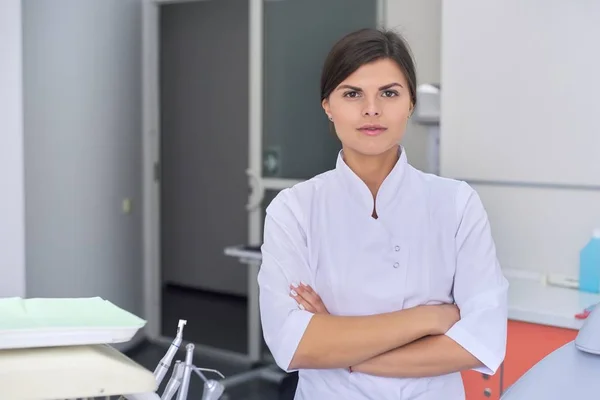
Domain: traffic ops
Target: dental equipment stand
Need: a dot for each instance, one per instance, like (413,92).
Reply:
(252,257)
(570,372)
(179,381)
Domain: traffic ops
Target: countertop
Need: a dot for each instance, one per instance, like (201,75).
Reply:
(530,299)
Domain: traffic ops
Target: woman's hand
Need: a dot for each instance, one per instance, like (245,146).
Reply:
(442,317)
(307,298)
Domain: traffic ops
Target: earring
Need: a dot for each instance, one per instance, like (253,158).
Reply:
(330,118)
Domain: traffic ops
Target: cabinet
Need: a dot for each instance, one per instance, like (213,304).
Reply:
(480,386)
(473,139)
(527,344)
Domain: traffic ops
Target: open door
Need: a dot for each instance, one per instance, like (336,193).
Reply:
(196,121)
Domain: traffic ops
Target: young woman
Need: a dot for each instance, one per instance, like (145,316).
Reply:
(379,281)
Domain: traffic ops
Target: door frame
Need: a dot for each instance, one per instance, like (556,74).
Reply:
(151,150)
(150,158)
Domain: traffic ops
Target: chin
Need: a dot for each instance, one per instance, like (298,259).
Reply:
(373,148)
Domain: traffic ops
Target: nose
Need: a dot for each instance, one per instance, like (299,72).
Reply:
(371,108)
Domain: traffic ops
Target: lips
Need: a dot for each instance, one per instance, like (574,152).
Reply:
(372,130)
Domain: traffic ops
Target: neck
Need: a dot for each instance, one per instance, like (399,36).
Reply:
(372,170)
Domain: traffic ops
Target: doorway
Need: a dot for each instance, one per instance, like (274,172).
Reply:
(203,97)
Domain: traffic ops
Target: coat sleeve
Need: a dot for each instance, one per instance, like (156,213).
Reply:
(284,261)
(480,288)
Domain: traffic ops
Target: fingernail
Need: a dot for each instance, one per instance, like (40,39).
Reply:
(301,306)
(304,283)
(294,284)
(293,292)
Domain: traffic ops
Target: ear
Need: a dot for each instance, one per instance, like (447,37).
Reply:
(326,107)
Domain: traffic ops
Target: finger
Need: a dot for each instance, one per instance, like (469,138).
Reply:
(315,301)
(309,295)
(303,285)
(302,304)
(306,287)
(294,293)
(299,292)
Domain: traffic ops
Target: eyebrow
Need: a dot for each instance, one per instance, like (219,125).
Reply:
(384,87)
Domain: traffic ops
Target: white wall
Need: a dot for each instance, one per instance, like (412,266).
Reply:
(12,220)
(82,106)
(419,21)
(540,229)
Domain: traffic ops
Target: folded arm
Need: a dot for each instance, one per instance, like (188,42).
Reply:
(338,342)
(429,356)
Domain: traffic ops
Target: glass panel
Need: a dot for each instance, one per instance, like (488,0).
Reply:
(297,142)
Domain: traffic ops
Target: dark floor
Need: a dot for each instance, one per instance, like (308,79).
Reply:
(213,320)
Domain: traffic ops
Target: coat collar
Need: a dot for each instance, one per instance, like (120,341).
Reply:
(359,191)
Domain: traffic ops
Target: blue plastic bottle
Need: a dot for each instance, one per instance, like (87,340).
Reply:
(589,265)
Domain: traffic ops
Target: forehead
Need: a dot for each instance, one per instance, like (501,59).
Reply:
(377,73)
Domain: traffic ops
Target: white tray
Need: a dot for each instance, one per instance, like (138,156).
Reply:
(27,323)
(71,372)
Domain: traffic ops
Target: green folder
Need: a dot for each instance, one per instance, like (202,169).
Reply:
(36,313)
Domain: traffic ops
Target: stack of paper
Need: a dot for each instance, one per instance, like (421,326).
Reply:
(41,322)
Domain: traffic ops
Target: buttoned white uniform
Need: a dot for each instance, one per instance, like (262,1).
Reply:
(430,244)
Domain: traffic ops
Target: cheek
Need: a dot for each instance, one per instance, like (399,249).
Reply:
(399,120)
(396,114)
(345,114)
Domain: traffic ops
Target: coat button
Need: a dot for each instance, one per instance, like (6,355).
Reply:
(396,265)
(397,248)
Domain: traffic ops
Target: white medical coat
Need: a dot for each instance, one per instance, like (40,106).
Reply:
(430,244)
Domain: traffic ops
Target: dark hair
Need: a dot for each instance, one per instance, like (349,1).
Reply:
(362,47)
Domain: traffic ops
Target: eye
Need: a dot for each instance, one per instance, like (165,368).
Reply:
(390,93)
(351,94)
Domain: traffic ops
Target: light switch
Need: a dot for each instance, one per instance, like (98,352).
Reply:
(126,206)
